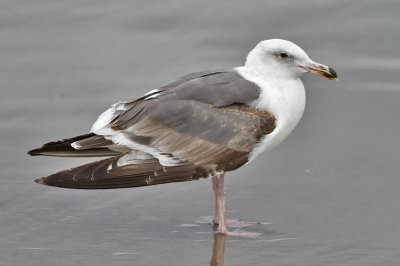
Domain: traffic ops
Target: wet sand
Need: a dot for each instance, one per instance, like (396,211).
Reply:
(329,195)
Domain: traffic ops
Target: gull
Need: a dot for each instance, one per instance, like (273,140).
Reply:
(201,125)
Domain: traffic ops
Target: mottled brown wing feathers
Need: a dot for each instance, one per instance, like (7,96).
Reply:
(201,133)
(107,174)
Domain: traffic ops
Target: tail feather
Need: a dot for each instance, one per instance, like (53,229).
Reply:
(93,141)
(108,173)
(90,145)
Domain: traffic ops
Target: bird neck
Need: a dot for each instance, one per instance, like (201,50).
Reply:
(284,98)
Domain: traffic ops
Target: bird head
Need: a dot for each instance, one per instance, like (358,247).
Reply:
(283,59)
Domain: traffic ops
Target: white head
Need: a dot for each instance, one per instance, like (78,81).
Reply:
(283,59)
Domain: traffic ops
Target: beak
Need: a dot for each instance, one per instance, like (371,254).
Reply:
(322,70)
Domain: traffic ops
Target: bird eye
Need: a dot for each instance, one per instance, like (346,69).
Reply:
(283,55)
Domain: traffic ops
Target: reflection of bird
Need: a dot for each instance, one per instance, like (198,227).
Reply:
(202,125)
(218,251)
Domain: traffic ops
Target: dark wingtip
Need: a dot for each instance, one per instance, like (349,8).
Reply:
(34,152)
(40,181)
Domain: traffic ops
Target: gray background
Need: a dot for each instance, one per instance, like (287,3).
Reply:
(329,195)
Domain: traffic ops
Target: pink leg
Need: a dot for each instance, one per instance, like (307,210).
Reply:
(219,211)
(221,204)
(215,180)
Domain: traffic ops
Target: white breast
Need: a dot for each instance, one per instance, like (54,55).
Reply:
(285,99)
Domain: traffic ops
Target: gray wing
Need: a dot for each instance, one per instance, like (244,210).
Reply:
(217,87)
(201,118)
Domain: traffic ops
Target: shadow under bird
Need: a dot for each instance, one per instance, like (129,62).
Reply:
(202,125)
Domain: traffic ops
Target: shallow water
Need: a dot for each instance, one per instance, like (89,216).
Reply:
(329,195)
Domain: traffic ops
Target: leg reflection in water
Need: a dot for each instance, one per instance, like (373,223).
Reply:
(218,251)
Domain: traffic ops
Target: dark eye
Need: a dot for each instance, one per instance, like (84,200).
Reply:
(283,55)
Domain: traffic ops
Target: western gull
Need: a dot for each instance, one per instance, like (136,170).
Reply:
(202,125)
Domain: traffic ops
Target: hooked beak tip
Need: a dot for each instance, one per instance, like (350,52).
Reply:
(325,71)
(330,74)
